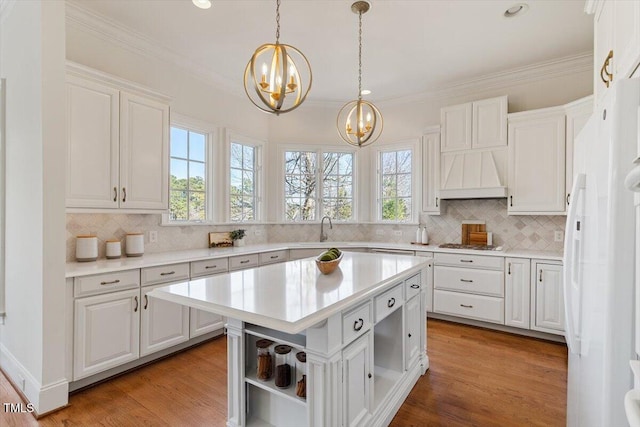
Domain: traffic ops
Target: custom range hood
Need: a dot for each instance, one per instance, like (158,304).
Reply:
(474,174)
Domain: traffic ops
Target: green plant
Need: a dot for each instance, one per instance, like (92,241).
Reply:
(237,234)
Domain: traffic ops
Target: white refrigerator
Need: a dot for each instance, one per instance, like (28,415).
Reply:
(600,263)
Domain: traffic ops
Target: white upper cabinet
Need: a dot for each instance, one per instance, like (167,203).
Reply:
(92,141)
(626,27)
(537,162)
(431,202)
(455,122)
(118,144)
(479,124)
(489,123)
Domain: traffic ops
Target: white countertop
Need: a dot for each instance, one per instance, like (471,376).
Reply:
(77,269)
(294,295)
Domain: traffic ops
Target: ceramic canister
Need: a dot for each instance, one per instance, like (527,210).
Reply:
(113,249)
(134,244)
(86,248)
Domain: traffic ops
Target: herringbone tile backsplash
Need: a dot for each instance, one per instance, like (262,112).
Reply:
(511,232)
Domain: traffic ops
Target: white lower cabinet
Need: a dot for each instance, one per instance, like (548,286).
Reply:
(547,308)
(202,322)
(412,340)
(517,285)
(357,381)
(162,324)
(428,280)
(106,332)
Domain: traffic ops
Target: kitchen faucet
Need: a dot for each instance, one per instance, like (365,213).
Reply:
(323,235)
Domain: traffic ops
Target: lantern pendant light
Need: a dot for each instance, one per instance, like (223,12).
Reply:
(359,122)
(285,75)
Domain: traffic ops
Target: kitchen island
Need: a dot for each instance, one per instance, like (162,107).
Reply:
(362,327)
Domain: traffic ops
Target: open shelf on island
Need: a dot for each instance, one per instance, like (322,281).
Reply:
(298,341)
(270,386)
(266,408)
(384,380)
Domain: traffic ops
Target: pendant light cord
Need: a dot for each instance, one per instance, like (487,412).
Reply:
(277,21)
(359,55)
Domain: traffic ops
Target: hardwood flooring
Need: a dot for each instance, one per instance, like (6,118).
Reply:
(477,377)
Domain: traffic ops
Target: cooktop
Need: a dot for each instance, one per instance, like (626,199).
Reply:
(476,247)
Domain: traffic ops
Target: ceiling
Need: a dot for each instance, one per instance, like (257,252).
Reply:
(409,47)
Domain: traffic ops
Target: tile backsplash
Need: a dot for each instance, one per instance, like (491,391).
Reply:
(511,232)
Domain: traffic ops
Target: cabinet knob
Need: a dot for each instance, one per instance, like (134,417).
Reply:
(409,335)
(370,375)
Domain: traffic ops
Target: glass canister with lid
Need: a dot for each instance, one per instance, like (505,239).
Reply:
(264,370)
(301,374)
(284,366)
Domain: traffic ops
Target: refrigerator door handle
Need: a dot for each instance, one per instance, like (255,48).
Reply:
(571,269)
(632,181)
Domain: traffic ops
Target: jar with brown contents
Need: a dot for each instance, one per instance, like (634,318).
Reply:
(283,366)
(301,374)
(265,360)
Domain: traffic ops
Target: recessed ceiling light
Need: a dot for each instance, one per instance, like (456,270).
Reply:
(202,4)
(517,9)
(365,92)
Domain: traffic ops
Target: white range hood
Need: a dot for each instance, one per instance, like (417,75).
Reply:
(474,174)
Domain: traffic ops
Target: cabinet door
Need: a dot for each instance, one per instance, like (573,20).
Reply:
(489,123)
(202,322)
(431,173)
(537,164)
(547,293)
(357,381)
(578,114)
(163,324)
(626,17)
(428,280)
(144,153)
(92,144)
(412,328)
(517,291)
(603,29)
(106,332)
(455,125)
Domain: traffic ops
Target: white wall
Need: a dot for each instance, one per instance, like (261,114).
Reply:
(32,341)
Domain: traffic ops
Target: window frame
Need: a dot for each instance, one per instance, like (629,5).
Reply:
(376,191)
(211,182)
(259,185)
(319,151)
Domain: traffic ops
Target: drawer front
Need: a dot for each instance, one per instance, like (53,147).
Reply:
(355,323)
(243,261)
(475,261)
(273,256)
(486,282)
(209,266)
(480,307)
(388,302)
(165,273)
(108,282)
(412,286)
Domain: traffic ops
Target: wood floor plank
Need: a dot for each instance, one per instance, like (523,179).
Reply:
(477,377)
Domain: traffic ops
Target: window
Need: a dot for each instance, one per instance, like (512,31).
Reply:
(188,184)
(395,188)
(318,183)
(242,179)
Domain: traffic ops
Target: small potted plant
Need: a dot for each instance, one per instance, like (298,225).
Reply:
(238,237)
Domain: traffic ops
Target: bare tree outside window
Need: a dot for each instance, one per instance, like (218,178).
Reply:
(395,190)
(337,182)
(242,180)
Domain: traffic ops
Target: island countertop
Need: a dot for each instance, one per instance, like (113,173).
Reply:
(294,295)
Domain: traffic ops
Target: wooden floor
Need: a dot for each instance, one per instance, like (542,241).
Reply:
(477,377)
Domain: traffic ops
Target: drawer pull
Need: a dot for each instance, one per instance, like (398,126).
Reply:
(358,324)
(245,261)
(146,302)
(391,302)
(168,273)
(135,310)
(509,270)
(274,257)
(466,280)
(414,286)
(111,282)
(466,306)
(210,266)
(466,260)
(540,276)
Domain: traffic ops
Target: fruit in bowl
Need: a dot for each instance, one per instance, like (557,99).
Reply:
(328,261)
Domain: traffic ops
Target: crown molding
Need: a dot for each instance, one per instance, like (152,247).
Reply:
(111,31)
(502,80)
(5,8)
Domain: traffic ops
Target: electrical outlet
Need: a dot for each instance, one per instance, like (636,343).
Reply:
(153,236)
(558,236)
(258,232)
(397,232)
(379,232)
